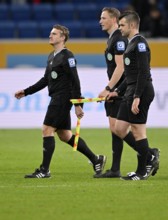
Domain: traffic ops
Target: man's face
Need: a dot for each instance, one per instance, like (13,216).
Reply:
(55,37)
(124,27)
(106,21)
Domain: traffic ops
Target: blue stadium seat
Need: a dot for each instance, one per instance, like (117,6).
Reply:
(42,12)
(75,29)
(45,28)
(28,29)
(87,12)
(93,30)
(119,4)
(7,29)
(20,12)
(4,12)
(84,1)
(64,12)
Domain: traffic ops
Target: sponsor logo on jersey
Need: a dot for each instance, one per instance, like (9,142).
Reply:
(121,46)
(54,75)
(109,56)
(142,47)
(127,61)
(71,62)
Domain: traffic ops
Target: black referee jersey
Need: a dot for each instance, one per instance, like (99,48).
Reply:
(137,63)
(116,45)
(60,76)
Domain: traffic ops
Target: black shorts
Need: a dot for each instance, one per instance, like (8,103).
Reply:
(125,112)
(112,108)
(58,113)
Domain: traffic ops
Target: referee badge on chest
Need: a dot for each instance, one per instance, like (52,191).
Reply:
(54,75)
(127,61)
(109,56)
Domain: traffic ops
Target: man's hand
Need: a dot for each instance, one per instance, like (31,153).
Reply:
(19,94)
(103,94)
(135,104)
(79,111)
(111,94)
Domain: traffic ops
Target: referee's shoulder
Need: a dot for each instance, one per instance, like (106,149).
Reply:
(67,52)
(118,37)
(142,38)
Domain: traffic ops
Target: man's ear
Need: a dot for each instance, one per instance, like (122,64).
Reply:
(133,25)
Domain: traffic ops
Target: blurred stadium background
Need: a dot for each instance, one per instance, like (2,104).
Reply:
(24,31)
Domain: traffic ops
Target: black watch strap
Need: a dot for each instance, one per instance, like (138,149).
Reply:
(108,88)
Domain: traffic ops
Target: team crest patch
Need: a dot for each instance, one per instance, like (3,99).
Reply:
(71,62)
(109,56)
(54,75)
(120,46)
(142,47)
(127,61)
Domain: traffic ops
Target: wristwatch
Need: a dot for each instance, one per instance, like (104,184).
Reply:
(108,88)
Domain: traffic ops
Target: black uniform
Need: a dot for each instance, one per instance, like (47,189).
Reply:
(63,83)
(138,79)
(116,45)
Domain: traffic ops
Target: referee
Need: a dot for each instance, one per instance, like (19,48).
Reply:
(61,78)
(139,94)
(116,46)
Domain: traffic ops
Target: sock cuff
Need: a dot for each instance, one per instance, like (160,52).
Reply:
(49,140)
(71,140)
(142,142)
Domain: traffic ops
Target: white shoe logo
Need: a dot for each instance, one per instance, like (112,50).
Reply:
(152,157)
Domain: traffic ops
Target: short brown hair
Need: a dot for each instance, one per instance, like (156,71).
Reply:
(64,30)
(113,12)
(131,16)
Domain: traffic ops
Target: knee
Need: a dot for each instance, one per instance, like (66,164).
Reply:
(112,128)
(62,138)
(120,131)
(47,131)
(64,135)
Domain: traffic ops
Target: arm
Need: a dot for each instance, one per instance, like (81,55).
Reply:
(118,72)
(41,84)
(143,67)
(76,88)
(143,76)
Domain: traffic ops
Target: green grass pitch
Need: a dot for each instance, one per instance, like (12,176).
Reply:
(72,193)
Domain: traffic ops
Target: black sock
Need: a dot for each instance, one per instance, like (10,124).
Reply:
(130,140)
(48,150)
(83,148)
(117,147)
(142,149)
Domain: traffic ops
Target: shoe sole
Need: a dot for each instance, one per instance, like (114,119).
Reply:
(105,175)
(36,177)
(154,171)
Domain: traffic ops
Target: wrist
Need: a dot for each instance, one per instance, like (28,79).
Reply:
(136,96)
